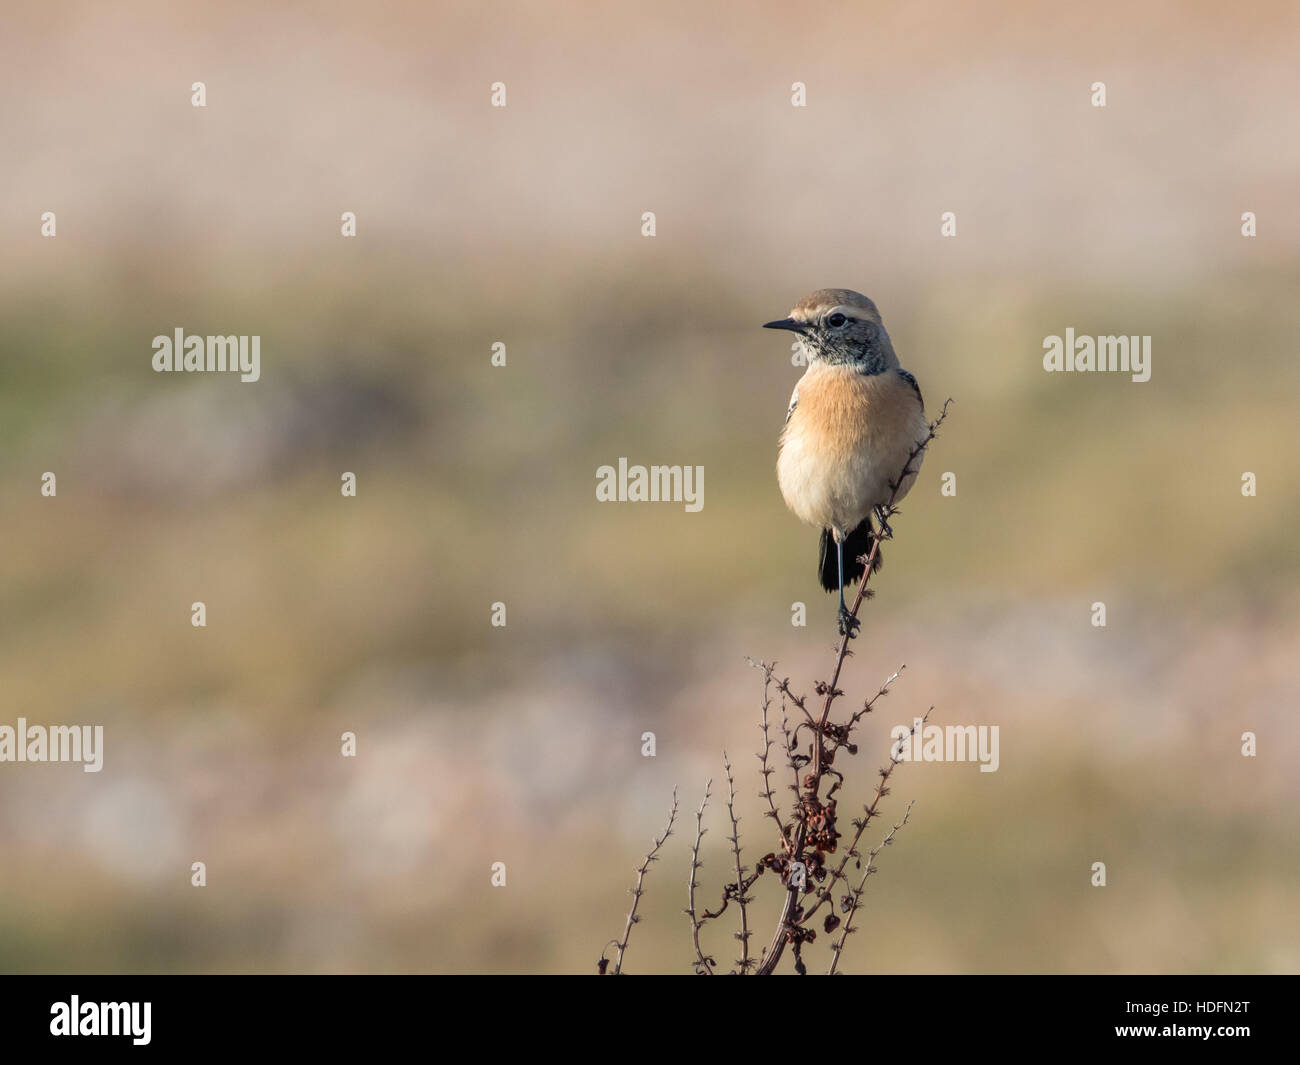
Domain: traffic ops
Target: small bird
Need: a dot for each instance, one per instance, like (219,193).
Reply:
(854,419)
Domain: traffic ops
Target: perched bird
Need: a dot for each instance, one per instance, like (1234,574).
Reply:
(854,419)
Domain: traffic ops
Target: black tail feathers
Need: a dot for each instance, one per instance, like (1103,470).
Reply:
(858,544)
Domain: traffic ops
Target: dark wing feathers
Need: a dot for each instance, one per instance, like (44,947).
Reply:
(915,387)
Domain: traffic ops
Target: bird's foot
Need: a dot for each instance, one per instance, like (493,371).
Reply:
(848,624)
(886,533)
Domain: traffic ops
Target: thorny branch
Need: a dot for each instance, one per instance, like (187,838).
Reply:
(637,892)
(850,904)
(811,833)
(743,963)
(767,770)
(869,812)
(703,963)
(789,927)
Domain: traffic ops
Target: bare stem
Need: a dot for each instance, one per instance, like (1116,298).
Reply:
(786,924)
(869,813)
(703,962)
(638,891)
(742,898)
(767,770)
(856,899)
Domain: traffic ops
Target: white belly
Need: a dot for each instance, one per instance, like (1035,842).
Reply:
(846,441)
(834,494)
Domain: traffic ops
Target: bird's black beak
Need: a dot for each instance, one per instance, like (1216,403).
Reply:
(786,323)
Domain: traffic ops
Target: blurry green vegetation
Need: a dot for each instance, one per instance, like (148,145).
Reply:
(477,484)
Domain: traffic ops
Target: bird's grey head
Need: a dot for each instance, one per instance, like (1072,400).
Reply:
(842,328)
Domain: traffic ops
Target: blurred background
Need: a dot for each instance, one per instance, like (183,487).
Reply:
(476,484)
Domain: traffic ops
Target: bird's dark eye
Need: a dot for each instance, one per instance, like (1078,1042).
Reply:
(836,320)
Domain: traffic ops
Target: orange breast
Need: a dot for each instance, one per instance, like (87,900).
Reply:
(841,411)
(849,437)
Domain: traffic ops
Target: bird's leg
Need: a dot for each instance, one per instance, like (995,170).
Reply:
(886,533)
(847,622)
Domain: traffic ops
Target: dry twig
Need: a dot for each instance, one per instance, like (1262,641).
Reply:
(811,833)
(637,892)
(789,928)
(703,963)
(852,903)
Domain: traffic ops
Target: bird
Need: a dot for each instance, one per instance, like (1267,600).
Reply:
(855,419)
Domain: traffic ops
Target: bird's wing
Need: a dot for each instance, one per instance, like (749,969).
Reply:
(911,381)
(794,402)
